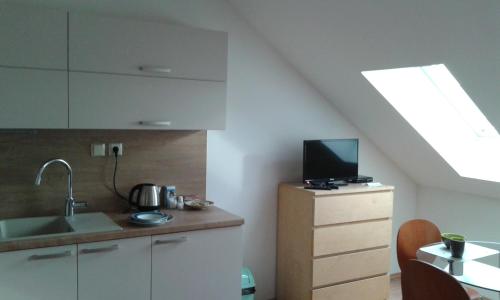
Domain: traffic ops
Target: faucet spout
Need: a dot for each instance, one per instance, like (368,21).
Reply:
(70,201)
(38,179)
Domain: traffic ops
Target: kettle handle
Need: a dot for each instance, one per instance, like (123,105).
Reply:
(131,194)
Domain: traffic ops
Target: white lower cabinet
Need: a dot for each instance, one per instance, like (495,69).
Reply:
(116,269)
(44,273)
(201,264)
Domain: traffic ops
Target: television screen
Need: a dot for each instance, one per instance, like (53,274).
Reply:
(327,159)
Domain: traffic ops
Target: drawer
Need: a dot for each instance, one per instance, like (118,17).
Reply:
(352,207)
(351,237)
(376,288)
(352,266)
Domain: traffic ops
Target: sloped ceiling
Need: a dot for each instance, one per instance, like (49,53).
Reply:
(331,42)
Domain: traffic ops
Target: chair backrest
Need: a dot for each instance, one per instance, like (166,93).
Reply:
(413,235)
(426,282)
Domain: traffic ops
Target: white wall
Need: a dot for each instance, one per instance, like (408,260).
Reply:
(478,218)
(331,42)
(270,110)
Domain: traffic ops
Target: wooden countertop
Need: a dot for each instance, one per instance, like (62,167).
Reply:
(184,220)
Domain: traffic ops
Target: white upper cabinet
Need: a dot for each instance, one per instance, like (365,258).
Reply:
(31,98)
(122,46)
(111,74)
(33,37)
(105,101)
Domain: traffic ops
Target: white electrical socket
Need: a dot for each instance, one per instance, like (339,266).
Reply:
(112,145)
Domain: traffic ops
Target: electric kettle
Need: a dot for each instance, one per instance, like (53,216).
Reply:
(145,197)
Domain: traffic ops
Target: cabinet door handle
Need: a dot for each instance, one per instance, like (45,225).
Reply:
(100,250)
(155,123)
(153,69)
(171,241)
(50,256)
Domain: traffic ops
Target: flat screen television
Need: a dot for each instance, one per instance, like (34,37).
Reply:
(330,159)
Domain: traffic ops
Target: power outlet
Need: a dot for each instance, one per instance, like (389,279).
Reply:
(112,145)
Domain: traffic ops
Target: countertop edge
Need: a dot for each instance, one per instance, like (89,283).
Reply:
(220,220)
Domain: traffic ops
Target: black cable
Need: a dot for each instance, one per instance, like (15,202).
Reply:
(115,150)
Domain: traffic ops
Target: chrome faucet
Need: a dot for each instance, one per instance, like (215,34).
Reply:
(70,201)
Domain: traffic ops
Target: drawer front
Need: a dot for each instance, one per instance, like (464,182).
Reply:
(351,237)
(202,264)
(124,46)
(116,269)
(352,207)
(348,267)
(376,288)
(43,273)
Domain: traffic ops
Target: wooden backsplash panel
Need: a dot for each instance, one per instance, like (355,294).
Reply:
(161,157)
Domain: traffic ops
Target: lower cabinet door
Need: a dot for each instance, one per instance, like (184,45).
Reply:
(44,273)
(201,264)
(117,269)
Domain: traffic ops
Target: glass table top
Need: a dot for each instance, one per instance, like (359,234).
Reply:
(479,267)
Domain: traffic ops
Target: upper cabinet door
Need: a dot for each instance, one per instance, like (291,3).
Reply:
(105,101)
(121,46)
(33,98)
(33,37)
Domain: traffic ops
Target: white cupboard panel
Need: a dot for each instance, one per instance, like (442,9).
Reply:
(33,98)
(104,101)
(122,46)
(45,273)
(117,269)
(197,265)
(33,37)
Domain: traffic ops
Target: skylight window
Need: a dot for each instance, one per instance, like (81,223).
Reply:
(437,107)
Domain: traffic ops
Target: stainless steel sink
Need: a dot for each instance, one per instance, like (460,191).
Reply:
(18,228)
(52,226)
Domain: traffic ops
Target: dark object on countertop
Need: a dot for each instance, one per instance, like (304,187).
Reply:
(145,197)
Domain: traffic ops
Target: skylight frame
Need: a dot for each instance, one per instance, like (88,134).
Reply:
(438,108)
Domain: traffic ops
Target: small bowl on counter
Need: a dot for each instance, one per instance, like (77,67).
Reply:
(197,204)
(447,237)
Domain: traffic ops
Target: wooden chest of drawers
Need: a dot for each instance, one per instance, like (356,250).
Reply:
(334,244)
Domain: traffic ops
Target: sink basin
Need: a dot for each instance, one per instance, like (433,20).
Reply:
(45,227)
(25,227)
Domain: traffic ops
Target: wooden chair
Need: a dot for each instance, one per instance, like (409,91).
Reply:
(413,235)
(426,282)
